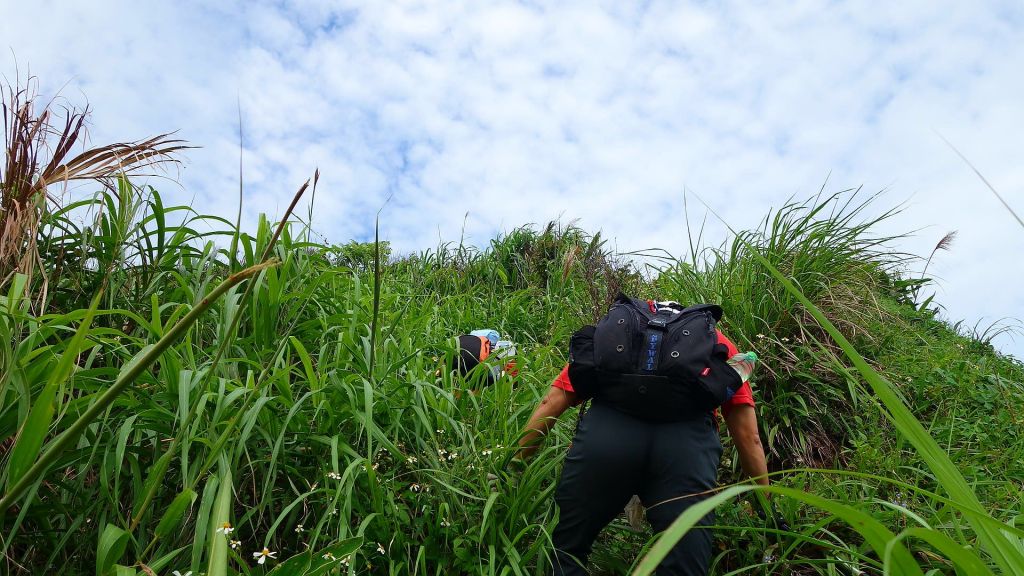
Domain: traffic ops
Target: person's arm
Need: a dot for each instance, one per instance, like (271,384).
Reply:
(742,423)
(544,417)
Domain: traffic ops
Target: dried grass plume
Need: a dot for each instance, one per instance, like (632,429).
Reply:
(38,155)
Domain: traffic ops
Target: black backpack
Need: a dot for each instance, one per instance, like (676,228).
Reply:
(662,366)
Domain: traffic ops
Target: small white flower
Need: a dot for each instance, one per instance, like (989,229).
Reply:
(375,465)
(380,548)
(486,452)
(760,336)
(445,523)
(329,556)
(333,475)
(441,452)
(415,488)
(299,529)
(784,339)
(176,573)
(411,460)
(344,561)
(440,431)
(453,456)
(235,544)
(225,529)
(263,555)
(334,512)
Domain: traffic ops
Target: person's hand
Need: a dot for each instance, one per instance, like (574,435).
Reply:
(517,465)
(511,369)
(510,474)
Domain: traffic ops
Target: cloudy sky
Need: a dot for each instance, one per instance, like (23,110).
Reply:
(477,117)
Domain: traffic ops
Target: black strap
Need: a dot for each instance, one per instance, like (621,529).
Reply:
(619,387)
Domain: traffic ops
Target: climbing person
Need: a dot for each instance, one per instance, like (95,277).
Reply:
(484,346)
(656,374)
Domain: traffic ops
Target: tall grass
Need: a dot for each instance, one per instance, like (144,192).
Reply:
(312,410)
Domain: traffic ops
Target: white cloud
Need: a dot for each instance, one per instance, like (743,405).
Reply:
(516,112)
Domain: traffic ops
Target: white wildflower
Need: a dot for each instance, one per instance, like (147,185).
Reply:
(334,475)
(176,573)
(299,529)
(235,544)
(263,555)
(225,529)
(415,488)
(411,460)
(445,523)
(486,452)
(380,548)
(329,556)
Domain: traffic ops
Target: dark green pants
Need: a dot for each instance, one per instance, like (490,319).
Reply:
(614,456)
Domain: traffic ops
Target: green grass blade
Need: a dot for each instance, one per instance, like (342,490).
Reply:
(875,534)
(217,562)
(36,427)
(175,513)
(966,559)
(112,544)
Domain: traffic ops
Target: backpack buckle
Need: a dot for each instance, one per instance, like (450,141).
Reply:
(657,323)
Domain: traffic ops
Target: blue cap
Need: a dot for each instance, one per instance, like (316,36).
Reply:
(488,333)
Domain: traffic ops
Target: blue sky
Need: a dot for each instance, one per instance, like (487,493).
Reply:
(482,116)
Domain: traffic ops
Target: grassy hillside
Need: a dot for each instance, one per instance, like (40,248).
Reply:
(310,406)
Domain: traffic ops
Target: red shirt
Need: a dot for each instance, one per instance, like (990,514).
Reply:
(743,397)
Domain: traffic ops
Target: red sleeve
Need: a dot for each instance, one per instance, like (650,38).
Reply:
(733,350)
(562,381)
(744,396)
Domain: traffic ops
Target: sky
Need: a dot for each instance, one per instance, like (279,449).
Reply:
(474,118)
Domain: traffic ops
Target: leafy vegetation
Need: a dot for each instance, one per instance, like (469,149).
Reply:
(178,399)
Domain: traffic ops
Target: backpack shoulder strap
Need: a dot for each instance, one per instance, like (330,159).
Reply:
(636,304)
(715,309)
